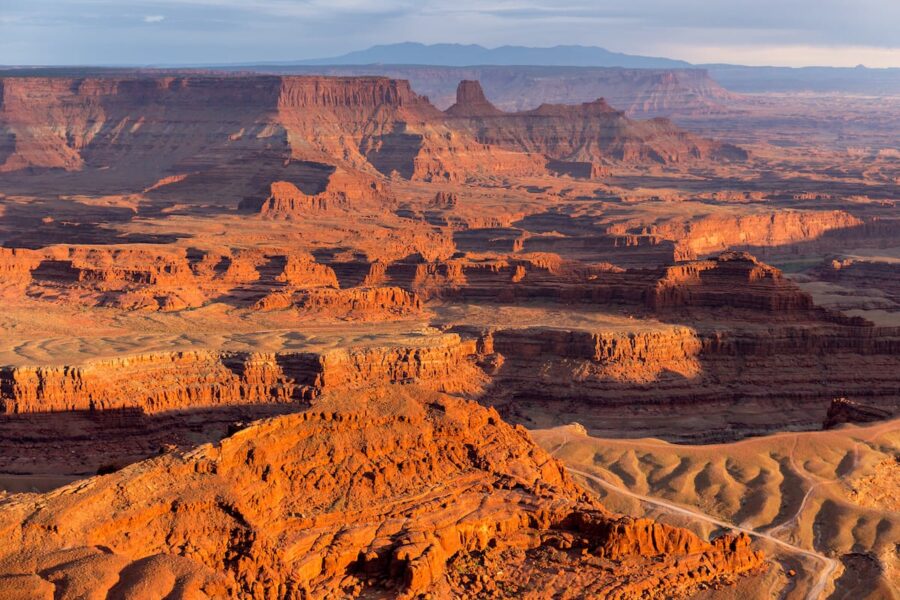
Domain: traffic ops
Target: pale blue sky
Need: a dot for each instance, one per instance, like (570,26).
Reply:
(778,32)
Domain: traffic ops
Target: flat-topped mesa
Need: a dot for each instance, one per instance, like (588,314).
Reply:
(332,92)
(371,495)
(69,123)
(597,108)
(642,93)
(713,284)
(361,302)
(165,381)
(770,229)
(637,357)
(157,278)
(131,278)
(302,270)
(471,101)
(356,304)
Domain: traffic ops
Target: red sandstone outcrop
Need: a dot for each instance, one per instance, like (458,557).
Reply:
(471,102)
(361,302)
(763,377)
(202,134)
(302,270)
(589,133)
(157,277)
(712,283)
(191,379)
(16,265)
(715,233)
(344,191)
(122,277)
(358,304)
(355,497)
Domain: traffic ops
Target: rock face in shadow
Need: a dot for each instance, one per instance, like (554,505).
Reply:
(588,133)
(367,496)
(641,93)
(227,137)
(842,411)
(198,135)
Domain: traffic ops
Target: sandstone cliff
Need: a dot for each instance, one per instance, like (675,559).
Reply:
(712,284)
(196,135)
(641,93)
(704,235)
(191,379)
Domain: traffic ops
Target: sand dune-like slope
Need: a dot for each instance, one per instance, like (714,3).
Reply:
(831,494)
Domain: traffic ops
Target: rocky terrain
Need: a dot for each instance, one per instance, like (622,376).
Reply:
(824,493)
(592,132)
(414,480)
(289,336)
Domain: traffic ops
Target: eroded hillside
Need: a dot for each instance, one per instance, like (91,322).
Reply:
(261,336)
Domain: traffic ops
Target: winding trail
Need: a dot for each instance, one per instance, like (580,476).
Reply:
(816,592)
(829,565)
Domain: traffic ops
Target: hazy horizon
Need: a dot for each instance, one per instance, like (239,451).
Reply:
(172,32)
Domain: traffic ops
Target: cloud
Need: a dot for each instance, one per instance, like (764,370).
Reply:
(771,31)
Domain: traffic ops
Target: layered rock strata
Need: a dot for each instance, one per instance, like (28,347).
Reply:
(705,235)
(192,379)
(157,278)
(748,379)
(202,134)
(344,191)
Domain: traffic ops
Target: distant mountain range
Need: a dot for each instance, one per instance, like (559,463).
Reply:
(460,55)
(732,77)
(570,72)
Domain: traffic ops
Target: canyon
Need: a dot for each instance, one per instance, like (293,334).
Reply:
(314,335)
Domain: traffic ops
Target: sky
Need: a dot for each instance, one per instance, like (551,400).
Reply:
(153,32)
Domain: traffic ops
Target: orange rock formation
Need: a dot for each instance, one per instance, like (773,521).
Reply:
(180,380)
(367,498)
